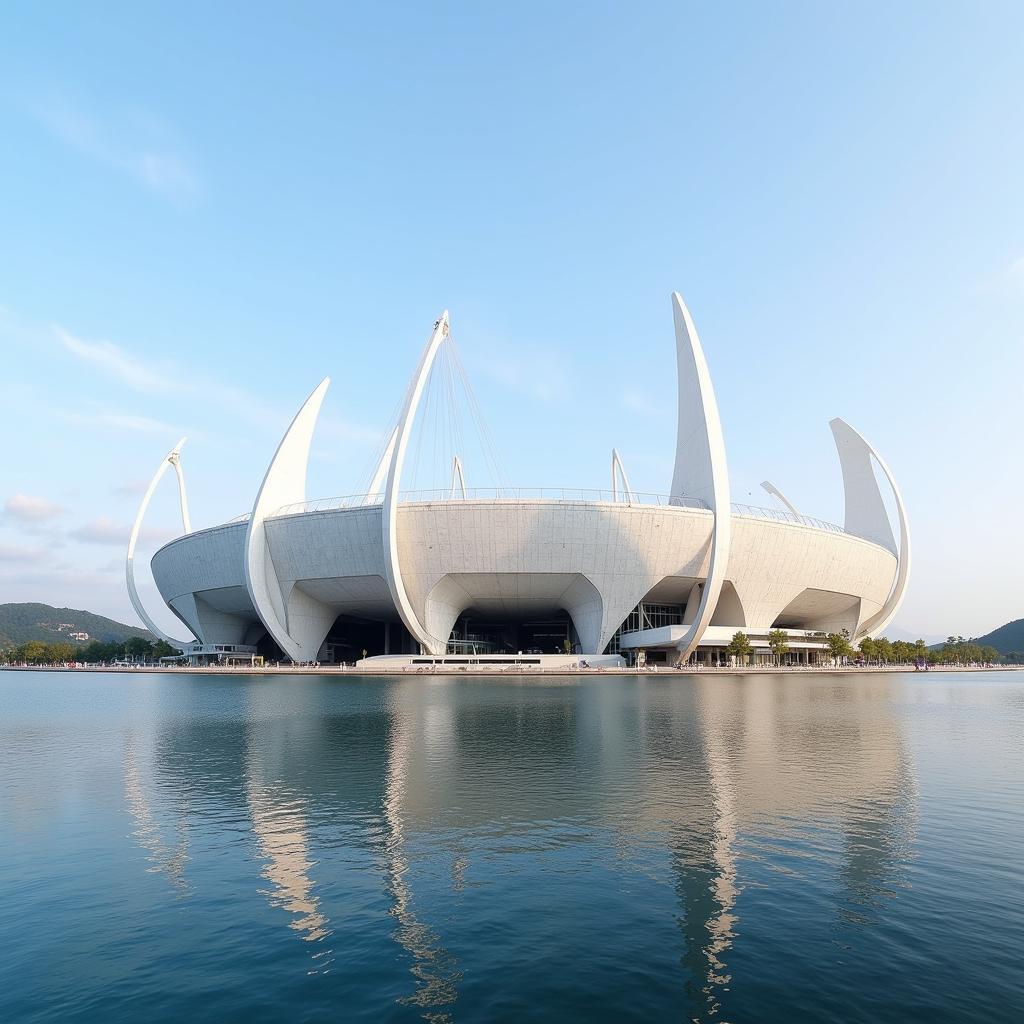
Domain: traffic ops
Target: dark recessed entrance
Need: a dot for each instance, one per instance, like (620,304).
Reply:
(538,634)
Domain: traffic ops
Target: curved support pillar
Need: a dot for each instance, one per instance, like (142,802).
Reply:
(285,484)
(172,458)
(175,460)
(447,600)
(458,479)
(865,512)
(389,520)
(309,621)
(701,469)
(215,625)
(776,493)
(586,609)
(619,470)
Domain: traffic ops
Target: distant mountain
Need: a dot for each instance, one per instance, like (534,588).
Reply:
(911,637)
(1006,638)
(20,623)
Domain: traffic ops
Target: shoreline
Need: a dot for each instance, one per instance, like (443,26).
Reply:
(341,672)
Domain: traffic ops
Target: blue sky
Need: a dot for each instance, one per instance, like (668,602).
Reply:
(206,208)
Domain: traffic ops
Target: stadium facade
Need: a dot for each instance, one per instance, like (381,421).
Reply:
(509,574)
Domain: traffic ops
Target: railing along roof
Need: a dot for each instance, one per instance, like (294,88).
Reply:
(566,494)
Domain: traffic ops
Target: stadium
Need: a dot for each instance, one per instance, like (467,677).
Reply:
(511,576)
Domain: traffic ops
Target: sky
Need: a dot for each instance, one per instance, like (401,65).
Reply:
(206,208)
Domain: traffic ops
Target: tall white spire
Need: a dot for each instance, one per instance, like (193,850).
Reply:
(389,519)
(701,470)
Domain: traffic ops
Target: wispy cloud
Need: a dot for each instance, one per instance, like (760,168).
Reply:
(1008,280)
(158,377)
(644,403)
(149,378)
(122,421)
(26,508)
(23,556)
(339,429)
(133,144)
(539,375)
(1014,273)
(130,489)
(106,531)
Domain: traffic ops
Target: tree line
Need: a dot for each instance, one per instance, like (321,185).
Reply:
(877,650)
(96,652)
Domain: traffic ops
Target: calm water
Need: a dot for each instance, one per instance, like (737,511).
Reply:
(718,849)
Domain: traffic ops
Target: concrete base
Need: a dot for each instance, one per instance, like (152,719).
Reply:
(489,662)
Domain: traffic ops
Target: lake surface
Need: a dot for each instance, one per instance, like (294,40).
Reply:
(719,848)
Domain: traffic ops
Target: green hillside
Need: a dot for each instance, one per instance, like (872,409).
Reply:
(1006,639)
(20,623)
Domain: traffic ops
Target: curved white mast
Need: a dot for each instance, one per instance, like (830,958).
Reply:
(186,522)
(701,470)
(172,458)
(285,484)
(389,519)
(618,469)
(458,479)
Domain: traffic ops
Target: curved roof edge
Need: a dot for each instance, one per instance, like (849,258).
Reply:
(865,514)
(855,453)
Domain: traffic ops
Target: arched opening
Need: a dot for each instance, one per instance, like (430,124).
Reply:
(351,635)
(541,631)
(821,610)
(729,610)
(512,612)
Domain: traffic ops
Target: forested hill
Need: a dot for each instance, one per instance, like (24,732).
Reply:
(20,623)
(1006,639)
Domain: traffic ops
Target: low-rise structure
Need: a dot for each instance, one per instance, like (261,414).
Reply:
(518,572)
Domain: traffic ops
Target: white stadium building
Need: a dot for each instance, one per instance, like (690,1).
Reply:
(512,575)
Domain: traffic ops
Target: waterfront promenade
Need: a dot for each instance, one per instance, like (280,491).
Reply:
(517,670)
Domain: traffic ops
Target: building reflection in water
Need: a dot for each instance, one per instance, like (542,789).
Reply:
(279,815)
(787,757)
(722,852)
(718,772)
(279,822)
(433,968)
(166,857)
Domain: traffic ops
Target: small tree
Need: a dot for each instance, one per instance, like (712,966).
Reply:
(58,654)
(740,646)
(839,645)
(162,649)
(32,653)
(778,641)
(867,648)
(138,649)
(567,646)
(884,650)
